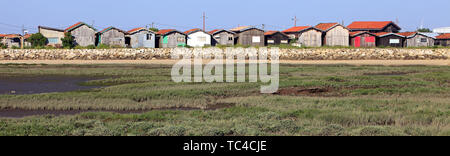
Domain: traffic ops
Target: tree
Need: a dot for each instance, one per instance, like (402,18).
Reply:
(68,40)
(37,40)
(153,29)
(426,30)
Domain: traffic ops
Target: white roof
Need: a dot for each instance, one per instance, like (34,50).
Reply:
(442,30)
(432,35)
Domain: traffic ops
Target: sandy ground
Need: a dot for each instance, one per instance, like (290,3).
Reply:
(169,62)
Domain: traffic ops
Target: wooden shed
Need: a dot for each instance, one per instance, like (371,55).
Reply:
(305,36)
(198,38)
(222,37)
(334,34)
(275,38)
(170,38)
(417,39)
(387,39)
(53,35)
(12,40)
(374,26)
(141,38)
(84,34)
(112,36)
(443,40)
(362,39)
(248,36)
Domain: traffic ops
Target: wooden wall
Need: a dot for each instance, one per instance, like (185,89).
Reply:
(246,37)
(385,41)
(172,40)
(443,42)
(276,39)
(363,42)
(84,36)
(310,38)
(223,38)
(338,36)
(113,37)
(416,41)
(141,40)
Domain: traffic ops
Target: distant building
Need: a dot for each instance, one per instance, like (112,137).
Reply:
(334,34)
(84,34)
(362,39)
(417,39)
(374,26)
(275,38)
(305,36)
(112,36)
(387,39)
(141,38)
(12,40)
(442,30)
(248,36)
(53,35)
(170,38)
(222,37)
(443,40)
(198,38)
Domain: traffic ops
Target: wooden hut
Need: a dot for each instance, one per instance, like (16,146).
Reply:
(275,38)
(362,39)
(417,39)
(53,35)
(141,38)
(84,34)
(198,38)
(249,36)
(387,39)
(305,36)
(334,34)
(443,40)
(374,26)
(12,40)
(222,37)
(112,36)
(170,38)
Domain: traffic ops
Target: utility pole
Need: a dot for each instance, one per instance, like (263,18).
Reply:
(204,21)
(22,37)
(263,26)
(295,21)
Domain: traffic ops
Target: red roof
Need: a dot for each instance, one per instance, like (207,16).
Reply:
(165,31)
(407,34)
(77,25)
(443,36)
(192,30)
(27,36)
(296,29)
(325,26)
(214,31)
(369,24)
(2,35)
(12,36)
(135,30)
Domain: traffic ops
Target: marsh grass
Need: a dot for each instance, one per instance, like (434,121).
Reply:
(364,100)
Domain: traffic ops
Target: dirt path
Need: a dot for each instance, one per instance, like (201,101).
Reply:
(169,62)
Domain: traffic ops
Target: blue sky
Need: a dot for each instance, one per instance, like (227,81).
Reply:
(186,14)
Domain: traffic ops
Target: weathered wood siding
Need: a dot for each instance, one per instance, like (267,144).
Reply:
(390,28)
(338,36)
(363,40)
(276,39)
(223,38)
(143,39)
(310,38)
(113,37)
(252,37)
(419,40)
(52,34)
(84,36)
(443,42)
(385,41)
(172,40)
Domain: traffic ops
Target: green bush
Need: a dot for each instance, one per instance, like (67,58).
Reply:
(68,40)
(103,46)
(37,40)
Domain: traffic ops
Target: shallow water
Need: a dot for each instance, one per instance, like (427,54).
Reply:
(42,84)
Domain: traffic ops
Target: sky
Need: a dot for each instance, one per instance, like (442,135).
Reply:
(221,14)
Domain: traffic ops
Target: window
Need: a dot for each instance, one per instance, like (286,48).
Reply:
(53,40)
(423,40)
(149,36)
(394,41)
(270,41)
(256,39)
(230,38)
(217,37)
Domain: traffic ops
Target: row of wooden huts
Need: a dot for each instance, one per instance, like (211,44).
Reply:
(357,34)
